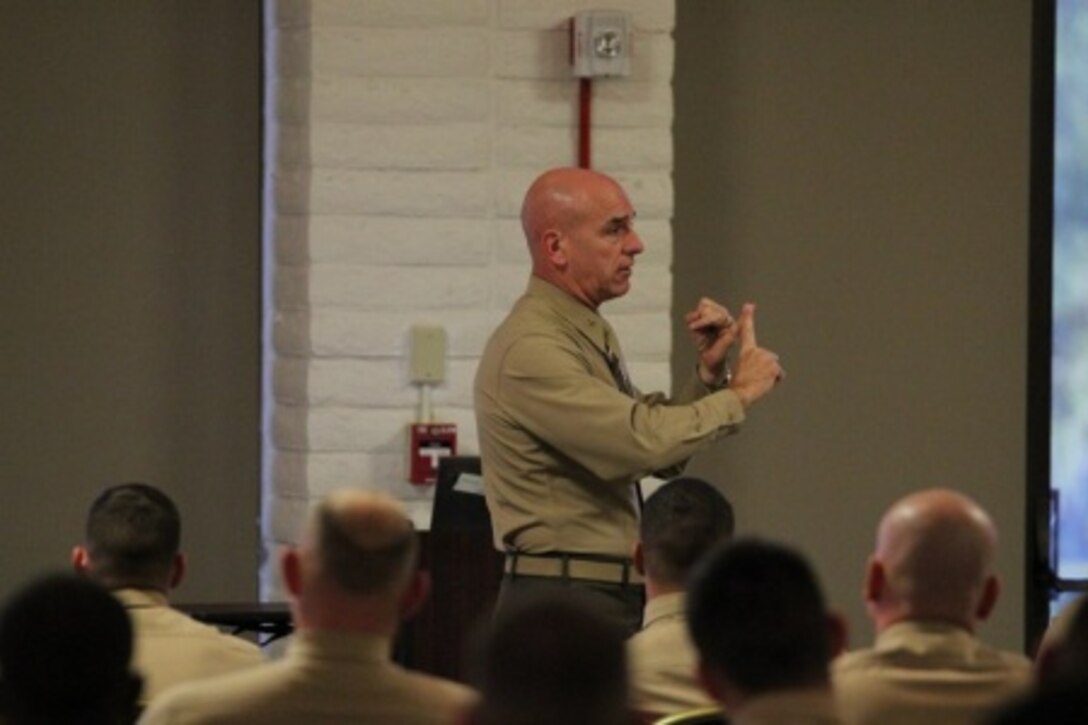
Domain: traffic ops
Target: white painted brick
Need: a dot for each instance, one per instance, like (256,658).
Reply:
(290,428)
(384,193)
(392,241)
(650,191)
(378,52)
(368,430)
(292,48)
(352,99)
(630,103)
(398,288)
(290,13)
(373,430)
(544,54)
(616,102)
(291,191)
(359,146)
(645,14)
(398,13)
(612,148)
(291,332)
(288,518)
(374,383)
(291,287)
(290,380)
(353,333)
(289,474)
(510,245)
(537,146)
(291,238)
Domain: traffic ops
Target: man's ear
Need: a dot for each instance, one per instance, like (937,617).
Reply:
(415,595)
(876,581)
(178,570)
(291,570)
(81,560)
(991,590)
(554,249)
(637,557)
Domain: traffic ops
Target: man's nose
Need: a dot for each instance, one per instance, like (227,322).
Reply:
(633,244)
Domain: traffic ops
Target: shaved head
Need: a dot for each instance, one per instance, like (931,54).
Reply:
(557,198)
(936,548)
(578,224)
(363,542)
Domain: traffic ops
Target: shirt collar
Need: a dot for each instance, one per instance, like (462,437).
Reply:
(663,607)
(911,631)
(350,646)
(139,598)
(585,319)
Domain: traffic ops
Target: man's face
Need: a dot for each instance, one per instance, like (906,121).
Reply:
(601,244)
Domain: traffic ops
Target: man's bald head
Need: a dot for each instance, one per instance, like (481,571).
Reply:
(363,543)
(578,224)
(557,198)
(936,549)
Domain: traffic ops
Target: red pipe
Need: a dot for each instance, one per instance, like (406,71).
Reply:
(585,101)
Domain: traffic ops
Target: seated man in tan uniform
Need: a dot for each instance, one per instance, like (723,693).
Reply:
(929,583)
(352,579)
(681,521)
(764,635)
(564,437)
(131,547)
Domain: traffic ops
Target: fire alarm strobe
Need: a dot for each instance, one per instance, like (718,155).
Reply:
(429,443)
(601,44)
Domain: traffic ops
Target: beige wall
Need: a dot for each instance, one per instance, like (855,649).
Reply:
(129,274)
(860,170)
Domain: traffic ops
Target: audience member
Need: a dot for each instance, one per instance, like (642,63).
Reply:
(65,648)
(351,581)
(547,658)
(131,547)
(681,521)
(929,583)
(764,635)
(1060,696)
(1056,632)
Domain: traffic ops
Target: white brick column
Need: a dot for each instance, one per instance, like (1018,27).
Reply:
(402,136)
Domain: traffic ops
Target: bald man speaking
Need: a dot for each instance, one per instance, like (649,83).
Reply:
(564,436)
(929,583)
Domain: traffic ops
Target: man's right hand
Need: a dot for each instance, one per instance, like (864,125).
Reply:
(757,369)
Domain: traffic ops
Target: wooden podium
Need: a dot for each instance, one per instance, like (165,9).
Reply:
(465,571)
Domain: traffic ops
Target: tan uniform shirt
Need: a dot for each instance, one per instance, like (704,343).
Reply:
(926,672)
(561,444)
(791,707)
(325,678)
(663,661)
(171,647)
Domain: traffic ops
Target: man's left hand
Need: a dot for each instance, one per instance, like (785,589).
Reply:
(714,331)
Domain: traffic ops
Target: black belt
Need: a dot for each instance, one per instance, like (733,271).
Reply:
(567,565)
